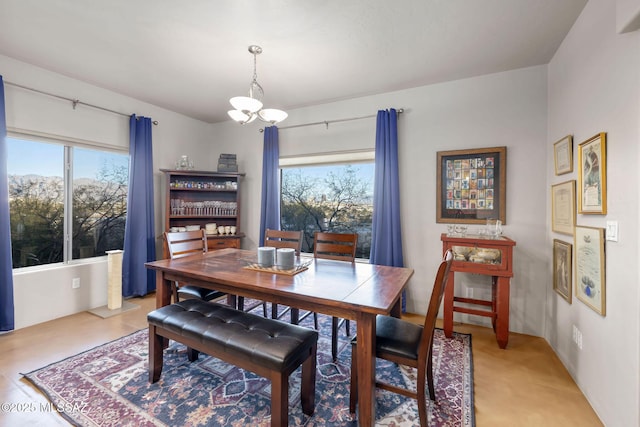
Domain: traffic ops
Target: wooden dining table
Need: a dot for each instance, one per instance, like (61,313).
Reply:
(356,291)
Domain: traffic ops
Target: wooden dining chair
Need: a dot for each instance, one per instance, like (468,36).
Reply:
(406,343)
(292,240)
(341,247)
(185,243)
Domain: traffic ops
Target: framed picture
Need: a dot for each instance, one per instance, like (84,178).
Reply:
(562,268)
(590,278)
(563,207)
(563,155)
(471,185)
(592,175)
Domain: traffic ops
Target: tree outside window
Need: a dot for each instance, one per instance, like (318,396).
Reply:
(37,202)
(334,198)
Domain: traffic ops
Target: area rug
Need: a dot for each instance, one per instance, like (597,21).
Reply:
(109,386)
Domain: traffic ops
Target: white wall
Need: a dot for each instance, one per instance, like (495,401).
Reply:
(506,109)
(594,86)
(42,294)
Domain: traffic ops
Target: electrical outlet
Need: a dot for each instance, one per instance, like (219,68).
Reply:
(579,340)
(75,283)
(577,337)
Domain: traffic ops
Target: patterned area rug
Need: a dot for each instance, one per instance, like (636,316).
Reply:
(108,386)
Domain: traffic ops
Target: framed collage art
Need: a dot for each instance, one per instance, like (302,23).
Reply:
(471,185)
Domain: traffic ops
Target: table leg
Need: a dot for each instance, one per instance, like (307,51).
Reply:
(163,290)
(502,308)
(448,306)
(396,311)
(366,369)
(163,297)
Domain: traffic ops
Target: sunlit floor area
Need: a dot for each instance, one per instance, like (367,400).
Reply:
(524,385)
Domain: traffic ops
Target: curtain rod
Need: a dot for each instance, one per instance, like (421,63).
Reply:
(74,102)
(326,122)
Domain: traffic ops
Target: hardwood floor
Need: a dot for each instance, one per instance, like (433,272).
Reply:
(525,385)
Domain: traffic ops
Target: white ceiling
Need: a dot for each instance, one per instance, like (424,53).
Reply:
(191,56)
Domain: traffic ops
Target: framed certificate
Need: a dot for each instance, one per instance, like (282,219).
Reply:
(563,155)
(590,278)
(563,207)
(592,175)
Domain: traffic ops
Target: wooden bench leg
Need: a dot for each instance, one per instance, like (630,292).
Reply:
(156,346)
(308,387)
(279,399)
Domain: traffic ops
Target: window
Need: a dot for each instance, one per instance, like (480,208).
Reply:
(330,197)
(59,215)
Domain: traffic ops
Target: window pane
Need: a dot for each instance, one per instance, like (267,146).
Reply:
(100,182)
(336,198)
(36,201)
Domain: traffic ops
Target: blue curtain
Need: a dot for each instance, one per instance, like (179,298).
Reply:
(270,205)
(386,240)
(6,264)
(139,237)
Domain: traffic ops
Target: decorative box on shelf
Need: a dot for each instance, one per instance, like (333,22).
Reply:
(227,163)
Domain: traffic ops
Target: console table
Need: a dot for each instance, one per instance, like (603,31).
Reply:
(480,255)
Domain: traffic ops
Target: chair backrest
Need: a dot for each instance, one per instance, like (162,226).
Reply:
(338,246)
(184,243)
(283,239)
(437,293)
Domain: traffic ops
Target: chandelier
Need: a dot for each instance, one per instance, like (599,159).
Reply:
(247,108)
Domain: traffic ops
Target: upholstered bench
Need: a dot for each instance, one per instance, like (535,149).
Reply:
(267,347)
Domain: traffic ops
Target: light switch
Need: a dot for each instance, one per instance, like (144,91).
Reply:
(612,231)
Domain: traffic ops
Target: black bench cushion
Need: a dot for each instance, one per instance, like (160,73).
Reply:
(271,343)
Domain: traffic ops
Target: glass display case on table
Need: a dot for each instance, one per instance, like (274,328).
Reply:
(486,255)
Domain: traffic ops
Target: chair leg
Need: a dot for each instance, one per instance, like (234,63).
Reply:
(274,310)
(422,399)
(432,390)
(192,354)
(334,338)
(240,303)
(353,392)
(315,321)
(308,387)
(347,327)
(264,310)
